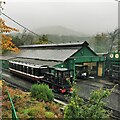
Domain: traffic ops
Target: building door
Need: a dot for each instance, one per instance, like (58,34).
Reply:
(100,69)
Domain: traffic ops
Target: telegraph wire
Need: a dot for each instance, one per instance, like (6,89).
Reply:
(20,24)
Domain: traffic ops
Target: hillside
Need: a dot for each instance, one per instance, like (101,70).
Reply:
(58,30)
(66,39)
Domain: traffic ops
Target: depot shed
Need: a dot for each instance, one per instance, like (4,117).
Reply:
(63,55)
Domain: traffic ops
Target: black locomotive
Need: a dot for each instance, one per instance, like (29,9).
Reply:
(58,79)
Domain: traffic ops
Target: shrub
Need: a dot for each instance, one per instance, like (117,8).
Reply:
(94,108)
(31,111)
(42,91)
(49,115)
(16,98)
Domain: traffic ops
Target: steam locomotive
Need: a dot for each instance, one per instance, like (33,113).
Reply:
(58,79)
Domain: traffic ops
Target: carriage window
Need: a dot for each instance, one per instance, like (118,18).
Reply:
(29,70)
(37,71)
(33,71)
(13,66)
(55,73)
(44,70)
(16,66)
(21,69)
(59,74)
(66,74)
(25,69)
(60,77)
(116,68)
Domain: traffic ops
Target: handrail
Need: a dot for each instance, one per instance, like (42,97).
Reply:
(14,115)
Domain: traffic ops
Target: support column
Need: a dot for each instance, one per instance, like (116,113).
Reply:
(97,65)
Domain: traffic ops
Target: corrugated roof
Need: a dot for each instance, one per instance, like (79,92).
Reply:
(5,57)
(36,62)
(47,54)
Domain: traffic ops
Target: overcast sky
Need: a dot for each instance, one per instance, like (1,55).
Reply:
(87,17)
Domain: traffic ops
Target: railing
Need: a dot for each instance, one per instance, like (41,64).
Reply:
(14,115)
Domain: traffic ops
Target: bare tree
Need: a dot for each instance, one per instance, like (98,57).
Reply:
(115,35)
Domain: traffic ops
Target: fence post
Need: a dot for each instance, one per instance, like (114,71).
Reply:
(14,115)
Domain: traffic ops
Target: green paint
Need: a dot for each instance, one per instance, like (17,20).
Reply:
(85,51)
(4,64)
(14,115)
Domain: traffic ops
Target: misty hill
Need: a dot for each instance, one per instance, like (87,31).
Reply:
(58,30)
(55,34)
(66,39)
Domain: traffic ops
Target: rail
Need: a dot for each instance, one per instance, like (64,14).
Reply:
(14,115)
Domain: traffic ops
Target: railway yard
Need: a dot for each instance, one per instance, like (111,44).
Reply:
(84,87)
(57,72)
(64,67)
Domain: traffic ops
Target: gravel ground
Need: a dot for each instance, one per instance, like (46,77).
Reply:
(84,87)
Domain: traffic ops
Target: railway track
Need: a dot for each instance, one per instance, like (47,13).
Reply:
(99,83)
(25,86)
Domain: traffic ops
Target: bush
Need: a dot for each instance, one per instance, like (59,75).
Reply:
(42,91)
(49,115)
(92,109)
(16,98)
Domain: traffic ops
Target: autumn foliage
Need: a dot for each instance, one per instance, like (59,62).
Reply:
(26,106)
(5,40)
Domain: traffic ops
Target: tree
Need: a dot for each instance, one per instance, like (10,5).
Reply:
(17,41)
(6,41)
(42,40)
(92,109)
(115,35)
(45,39)
(100,42)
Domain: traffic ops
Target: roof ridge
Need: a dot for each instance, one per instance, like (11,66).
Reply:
(56,45)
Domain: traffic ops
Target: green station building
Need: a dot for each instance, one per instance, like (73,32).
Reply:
(69,55)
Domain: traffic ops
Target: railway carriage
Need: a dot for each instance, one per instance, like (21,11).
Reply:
(28,71)
(113,69)
(58,79)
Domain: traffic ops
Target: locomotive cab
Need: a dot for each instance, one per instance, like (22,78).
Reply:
(64,79)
